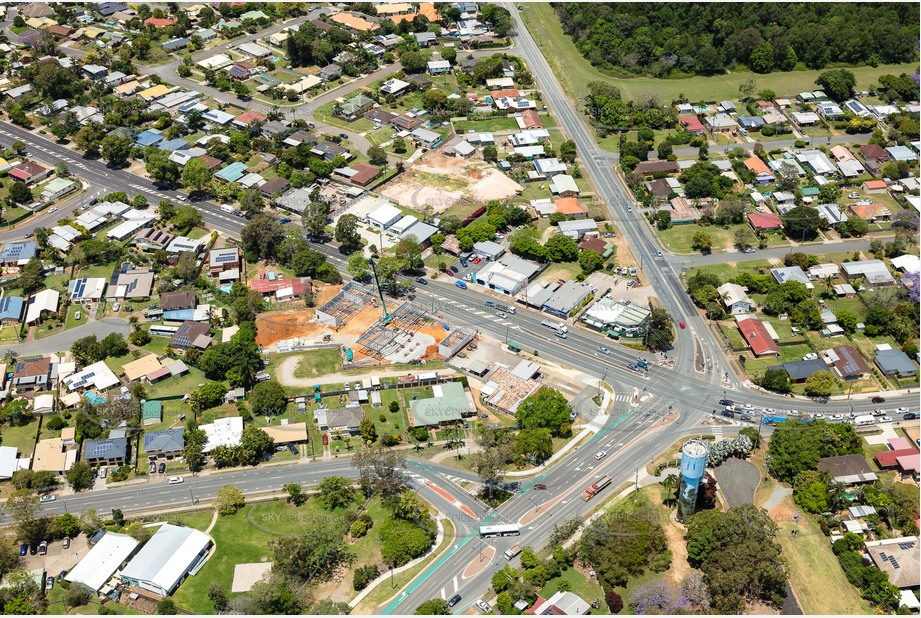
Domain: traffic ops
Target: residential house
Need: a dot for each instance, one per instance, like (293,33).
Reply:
(875,186)
(901,153)
(330,72)
(425,138)
(571,207)
(756,336)
(764,221)
(29,172)
(847,363)
(184,299)
(874,271)
(760,169)
(344,421)
(791,273)
(130,283)
(32,374)
(166,444)
(393,87)
(800,371)
(354,108)
(438,67)
(648,168)
(18,253)
(722,123)
(107,451)
(275,186)
(895,363)
(11,310)
(870,212)
(41,304)
(735,298)
(225,264)
(874,153)
(459,147)
(191,335)
(242,70)
(691,124)
(152,239)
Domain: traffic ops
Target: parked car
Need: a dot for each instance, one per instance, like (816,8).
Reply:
(454,269)
(66,543)
(293,450)
(484,606)
(284,220)
(161,468)
(839,417)
(33,549)
(23,549)
(61,576)
(344,135)
(49,582)
(43,548)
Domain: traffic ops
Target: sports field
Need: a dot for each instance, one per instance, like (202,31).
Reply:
(575,72)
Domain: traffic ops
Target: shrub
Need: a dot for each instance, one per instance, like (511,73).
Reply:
(382,418)
(389,440)
(56,422)
(364,576)
(614,601)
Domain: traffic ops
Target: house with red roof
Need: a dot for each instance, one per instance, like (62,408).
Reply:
(757,337)
(159,22)
(691,124)
(875,186)
(531,119)
(505,92)
(760,169)
(764,221)
(29,172)
(571,207)
(902,455)
(247,118)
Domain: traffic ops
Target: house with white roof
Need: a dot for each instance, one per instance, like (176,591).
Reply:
(735,298)
(166,559)
(103,560)
(223,432)
(97,376)
(42,303)
(384,216)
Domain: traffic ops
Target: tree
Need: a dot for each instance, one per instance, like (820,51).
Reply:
(702,242)
(229,500)
(186,218)
(744,238)
(413,61)
(402,541)
(802,222)
(659,331)
(262,235)
(399,145)
(368,430)
(435,607)
(315,552)
(116,149)
(357,266)
(590,261)
(32,276)
(534,445)
(820,385)
(377,155)
(209,394)
(77,596)
(193,452)
(777,380)
(547,408)
(160,168)
(268,399)
(196,175)
(166,607)
(762,58)
(854,226)
(20,193)
(336,492)
(837,83)
(490,154)
(217,596)
(561,248)
(347,232)
(380,470)
(80,476)
(810,491)
(114,344)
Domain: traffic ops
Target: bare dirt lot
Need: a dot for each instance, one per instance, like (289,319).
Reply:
(438,182)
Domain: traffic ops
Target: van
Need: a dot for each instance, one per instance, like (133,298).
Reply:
(227,208)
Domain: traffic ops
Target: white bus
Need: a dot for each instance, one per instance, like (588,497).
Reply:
(487,532)
(163,331)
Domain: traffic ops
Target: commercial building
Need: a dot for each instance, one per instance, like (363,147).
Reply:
(620,318)
(104,558)
(508,275)
(167,559)
(449,404)
(568,298)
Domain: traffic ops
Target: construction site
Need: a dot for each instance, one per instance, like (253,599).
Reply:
(370,329)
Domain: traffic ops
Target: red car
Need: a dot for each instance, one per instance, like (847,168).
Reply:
(681,324)
(325,439)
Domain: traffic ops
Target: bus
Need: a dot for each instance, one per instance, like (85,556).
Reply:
(163,331)
(488,532)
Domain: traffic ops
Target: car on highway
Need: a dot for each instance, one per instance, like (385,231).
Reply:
(484,606)
(725,402)
(454,600)
(885,419)
(748,250)
(600,455)
(838,417)
(603,350)
(176,480)
(911,416)
(501,314)
(878,412)
(902,409)
(540,486)
(47,498)
(658,253)
(53,209)
(682,325)
(461,285)
(728,413)
(422,280)
(629,209)
(878,399)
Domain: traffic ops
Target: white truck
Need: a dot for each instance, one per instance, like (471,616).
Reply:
(512,552)
(557,326)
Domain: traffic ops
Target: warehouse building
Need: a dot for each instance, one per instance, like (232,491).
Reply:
(167,559)
(107,556)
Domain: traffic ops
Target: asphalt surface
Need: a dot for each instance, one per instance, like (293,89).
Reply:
(63,341)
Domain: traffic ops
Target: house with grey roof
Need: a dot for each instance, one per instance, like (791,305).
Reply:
(108,451)
(895,363)
(166,444)
(568,298)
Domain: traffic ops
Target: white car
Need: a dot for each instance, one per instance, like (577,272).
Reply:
(53,209)
(885,419)
(748,406)
(853,196)
(484,606)
(818,416)
(902,409)
(501,314)
(878,412)
(793,412)
(837,417)
(47,498)
(176,480)
(601,455)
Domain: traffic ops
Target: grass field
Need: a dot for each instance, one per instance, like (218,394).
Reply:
(318,363)
(22,436)
(499,123)
(575,72)
(200,520)
(679,238)
(588,589)
(815,574)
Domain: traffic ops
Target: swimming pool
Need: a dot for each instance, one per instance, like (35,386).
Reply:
(226,288)
(93,398)
(273,58)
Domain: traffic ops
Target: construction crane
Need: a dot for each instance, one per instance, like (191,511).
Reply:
(386,318)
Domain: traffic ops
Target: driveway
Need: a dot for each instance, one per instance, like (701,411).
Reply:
(63,341)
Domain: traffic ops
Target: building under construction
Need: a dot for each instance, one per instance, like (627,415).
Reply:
(394,334)
(351,299)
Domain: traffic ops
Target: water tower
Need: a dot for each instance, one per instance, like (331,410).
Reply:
(694,456)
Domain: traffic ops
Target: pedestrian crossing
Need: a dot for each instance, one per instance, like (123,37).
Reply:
(623,397)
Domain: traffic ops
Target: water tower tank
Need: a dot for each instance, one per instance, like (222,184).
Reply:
(694,455)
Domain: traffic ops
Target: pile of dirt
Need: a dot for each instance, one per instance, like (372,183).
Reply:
(277,326)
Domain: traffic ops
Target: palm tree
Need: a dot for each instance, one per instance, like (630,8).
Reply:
(836,495)
(829,282)
(670,482)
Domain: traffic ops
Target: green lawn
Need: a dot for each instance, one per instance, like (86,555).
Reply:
(245,537)
(200,520)
(588,589)
(788,353)
(575,72)
(679,238)
(21,436)
(177,386)
(104,271)
(325,115)
(318,363)
(730,269)
(498,123)
(9,334)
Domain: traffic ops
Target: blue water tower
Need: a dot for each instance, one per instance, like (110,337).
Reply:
(694,455)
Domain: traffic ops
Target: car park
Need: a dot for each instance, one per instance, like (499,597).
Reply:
(454,600)
(47,498)
(600,455)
